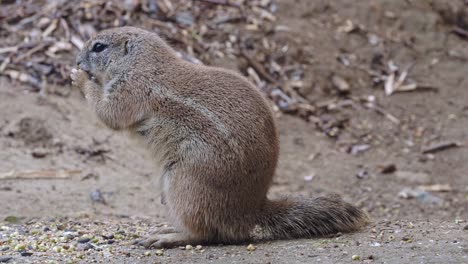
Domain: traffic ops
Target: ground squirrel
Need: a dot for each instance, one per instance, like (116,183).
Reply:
(214,135)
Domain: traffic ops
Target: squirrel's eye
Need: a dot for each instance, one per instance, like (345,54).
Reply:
(98,47)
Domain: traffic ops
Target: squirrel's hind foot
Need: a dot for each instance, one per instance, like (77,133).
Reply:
(168,240)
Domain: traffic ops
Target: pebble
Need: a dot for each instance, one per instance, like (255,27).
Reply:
(84,240)
(387,169)
(185,18)
(340,84)
(199,247)
(39,153)
(108,236)
(159,252)
(83,247)
(20,247)
(355,257)
(358,149)
(251,247)
(97,197)
(26,254)
(375,244)
(362,174)
(57,249)
(5,259)
(188,247)
(70,235)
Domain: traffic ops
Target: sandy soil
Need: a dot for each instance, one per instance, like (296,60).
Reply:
(49,132)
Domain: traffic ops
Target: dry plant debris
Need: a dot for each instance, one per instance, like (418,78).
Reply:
(41,38)
(45,35)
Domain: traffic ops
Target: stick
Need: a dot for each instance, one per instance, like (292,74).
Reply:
(34,175)
(259,68)
(220,2)
(461,32)
(440,146)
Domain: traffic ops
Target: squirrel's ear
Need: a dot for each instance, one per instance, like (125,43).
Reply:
(128,46)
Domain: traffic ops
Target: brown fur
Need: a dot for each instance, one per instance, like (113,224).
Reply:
(214,135)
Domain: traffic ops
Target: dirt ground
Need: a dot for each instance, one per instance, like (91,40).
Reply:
(115,187)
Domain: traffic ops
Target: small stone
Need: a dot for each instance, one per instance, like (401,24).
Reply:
(26,254)
(199,247)
(373,39)
(251,247)
(147,254)
(355,257)
(188,247)
(70,235)
(184,18)
(57,249)
(83,247)
(159,252)
(5,259)
(362,174)
(39,153)
(36,232)
(407,239)
(84,240)
(97,197)
(340,84)
(375,244)
(20,247)
(387,169)
(358,149)
(108,236)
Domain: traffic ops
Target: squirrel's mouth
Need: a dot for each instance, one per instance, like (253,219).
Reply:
(90,75)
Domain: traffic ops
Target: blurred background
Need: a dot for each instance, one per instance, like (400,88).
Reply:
(370,98)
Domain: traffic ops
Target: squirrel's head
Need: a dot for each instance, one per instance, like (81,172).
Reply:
(117,49)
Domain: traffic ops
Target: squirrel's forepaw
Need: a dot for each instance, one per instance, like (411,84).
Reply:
(78,77)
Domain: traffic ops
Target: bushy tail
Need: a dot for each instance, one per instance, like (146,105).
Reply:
(300,218)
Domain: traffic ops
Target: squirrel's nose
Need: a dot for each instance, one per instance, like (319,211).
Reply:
(82,65)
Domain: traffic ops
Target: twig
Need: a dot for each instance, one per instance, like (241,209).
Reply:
(389,116)
(259,68)
(34,175)
(221,2)
(461,32)
(440,147)
(8,49)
